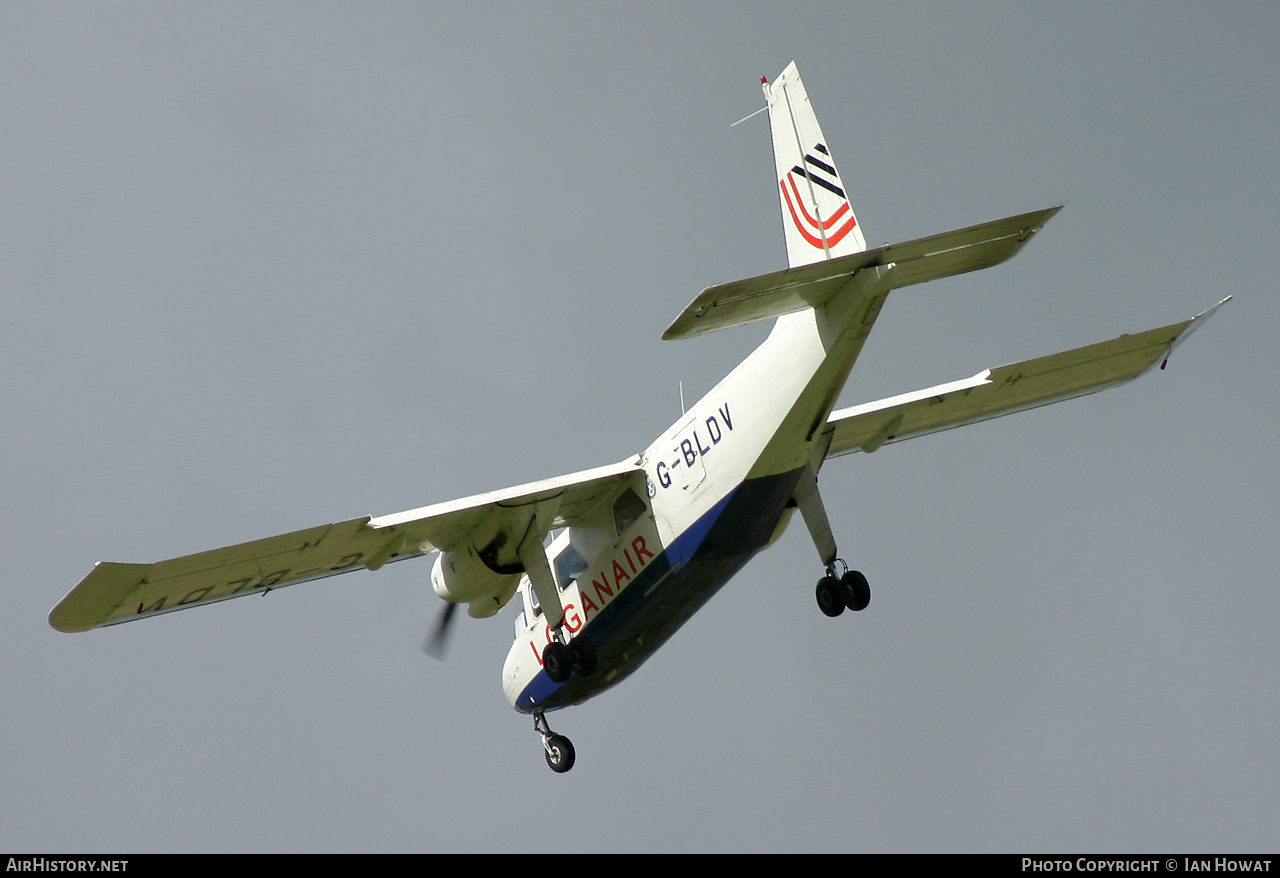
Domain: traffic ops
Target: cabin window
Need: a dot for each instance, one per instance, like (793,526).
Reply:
(627,509)
(569,565)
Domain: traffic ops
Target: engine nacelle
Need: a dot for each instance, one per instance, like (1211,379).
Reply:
(461,577)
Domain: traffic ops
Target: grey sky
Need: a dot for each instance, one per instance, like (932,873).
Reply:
(268,266)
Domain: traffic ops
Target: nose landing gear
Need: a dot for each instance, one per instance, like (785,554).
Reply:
(559,750)
(561,661)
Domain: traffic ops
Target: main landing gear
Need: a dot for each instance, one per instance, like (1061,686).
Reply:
(561,661)
(834,592)
(559,750)
(850,589)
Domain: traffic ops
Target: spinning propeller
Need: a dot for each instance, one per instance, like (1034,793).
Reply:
(437,641)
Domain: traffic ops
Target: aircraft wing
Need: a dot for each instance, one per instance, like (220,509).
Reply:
(811,286)
(1008,389)
(114,592)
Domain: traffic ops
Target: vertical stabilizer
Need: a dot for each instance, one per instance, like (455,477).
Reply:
(816,216)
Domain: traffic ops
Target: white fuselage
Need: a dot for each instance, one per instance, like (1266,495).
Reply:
(720,483)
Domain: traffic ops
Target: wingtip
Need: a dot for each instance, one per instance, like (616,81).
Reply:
(1208,312)
(678,330)
(1191,326)
(66,623)
(91,603)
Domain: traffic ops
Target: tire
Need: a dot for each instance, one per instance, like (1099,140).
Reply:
(557,662)
(582,655)
(560,755)
(857,591)
(830,595)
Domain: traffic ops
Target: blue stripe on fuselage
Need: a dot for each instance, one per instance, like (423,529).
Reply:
(670,589)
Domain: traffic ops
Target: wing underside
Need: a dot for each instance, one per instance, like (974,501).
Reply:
(995,392)
(115,592)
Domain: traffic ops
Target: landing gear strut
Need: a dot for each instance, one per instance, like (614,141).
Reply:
(559,750)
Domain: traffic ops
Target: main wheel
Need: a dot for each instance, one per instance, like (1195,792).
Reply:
(857,591)
(557,662)
(830,595)
(582,654)
(560,753)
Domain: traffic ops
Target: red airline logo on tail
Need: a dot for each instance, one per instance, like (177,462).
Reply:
(817,172)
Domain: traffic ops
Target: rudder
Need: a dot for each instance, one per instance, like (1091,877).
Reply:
(817,219)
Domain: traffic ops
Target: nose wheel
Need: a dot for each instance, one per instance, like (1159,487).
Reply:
(849,590)
(558,749)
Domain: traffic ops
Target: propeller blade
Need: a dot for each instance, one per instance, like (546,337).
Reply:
(438,640)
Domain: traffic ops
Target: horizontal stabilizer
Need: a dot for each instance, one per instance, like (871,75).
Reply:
(1008,389)
(812,286)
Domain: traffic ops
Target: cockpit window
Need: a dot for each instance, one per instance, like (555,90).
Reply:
(626,509)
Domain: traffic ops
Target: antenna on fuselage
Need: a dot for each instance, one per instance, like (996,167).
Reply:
(681,397)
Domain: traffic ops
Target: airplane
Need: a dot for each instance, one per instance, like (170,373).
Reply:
(609,562)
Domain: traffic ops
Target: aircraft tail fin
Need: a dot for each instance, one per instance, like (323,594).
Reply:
(817,219)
